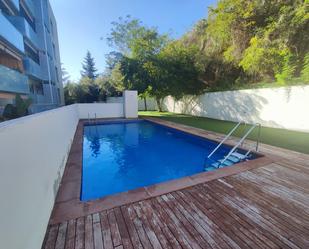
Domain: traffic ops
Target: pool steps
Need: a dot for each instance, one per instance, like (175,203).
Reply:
(233,156)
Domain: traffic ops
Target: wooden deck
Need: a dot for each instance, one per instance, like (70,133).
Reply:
(263,208)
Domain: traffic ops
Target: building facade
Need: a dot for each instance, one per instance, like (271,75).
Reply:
(29,54)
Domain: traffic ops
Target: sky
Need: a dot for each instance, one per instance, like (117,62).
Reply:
(85,24)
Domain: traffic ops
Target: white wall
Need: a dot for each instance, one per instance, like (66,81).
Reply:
(284,107)
(33,153)
(114,100)
(101,110)
(150,102)
(130,103)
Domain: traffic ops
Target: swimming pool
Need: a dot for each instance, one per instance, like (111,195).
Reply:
(122,156)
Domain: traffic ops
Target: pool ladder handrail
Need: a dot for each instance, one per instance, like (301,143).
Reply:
(241,142)
(95,118)
(226,138)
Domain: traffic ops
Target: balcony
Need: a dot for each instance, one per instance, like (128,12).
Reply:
(13,81)
(15,4)
(31,7)
(24,27)
(10,33)
(33,69)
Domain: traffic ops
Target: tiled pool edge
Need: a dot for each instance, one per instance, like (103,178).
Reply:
(68,205)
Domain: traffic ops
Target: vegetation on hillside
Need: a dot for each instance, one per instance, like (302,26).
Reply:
(239,45)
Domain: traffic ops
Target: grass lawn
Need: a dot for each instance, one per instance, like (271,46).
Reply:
(292,140)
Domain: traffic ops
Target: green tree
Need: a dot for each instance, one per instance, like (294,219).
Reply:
(92,89)
(88,67)
(19,109)
(140,47)
(305,70)
(249,40)
(69,93)
(65,75)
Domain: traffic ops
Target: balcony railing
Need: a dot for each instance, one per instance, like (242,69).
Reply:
(24,27)
(34,69)
(10,33)
(13,81)
(30,6)
(15,3)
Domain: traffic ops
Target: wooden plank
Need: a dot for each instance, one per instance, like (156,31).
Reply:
(244,234)
(88,232)
(60,242)
(159,226)
(70,238)
(149,231)
(97,233)
(125,237)
(51,237)
(299,178)
(205,219)
(164,218)
(106,232)
(249,224)
(183,226)
(131,228)
(280,191)
(80,233)
(275,218)
(233,203)
(284,204)
(149,215)
(203,232)
(139,227)
(116,238)
(290,219)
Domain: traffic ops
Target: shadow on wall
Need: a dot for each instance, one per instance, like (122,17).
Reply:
(231,106)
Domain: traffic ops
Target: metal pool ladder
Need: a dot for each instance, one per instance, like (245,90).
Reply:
(235,156)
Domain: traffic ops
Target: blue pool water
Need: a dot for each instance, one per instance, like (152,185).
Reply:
(118,157)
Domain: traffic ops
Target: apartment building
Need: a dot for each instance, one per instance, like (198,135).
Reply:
(29,54)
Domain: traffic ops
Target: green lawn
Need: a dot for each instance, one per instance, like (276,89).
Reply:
(293,140)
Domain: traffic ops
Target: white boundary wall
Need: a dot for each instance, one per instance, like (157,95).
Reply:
(284,107)
(130,104)
(33,154)
(106,110)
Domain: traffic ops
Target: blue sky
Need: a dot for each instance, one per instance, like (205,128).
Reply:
(81,24)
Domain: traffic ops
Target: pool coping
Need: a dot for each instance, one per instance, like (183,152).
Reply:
(69,206)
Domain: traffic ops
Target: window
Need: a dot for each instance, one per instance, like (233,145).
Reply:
(59,97)
(54,49)
(6,8)
(57,75)
(51,27)
(26,14)
(32,53)
(36,86)
(39,88)
(10,59)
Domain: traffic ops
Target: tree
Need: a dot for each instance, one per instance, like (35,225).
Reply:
(89,70)
(250,41)
(69,93)
(19,109)
(182,72)
(140,47)
(92,90)
(305,70)
(65,75)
